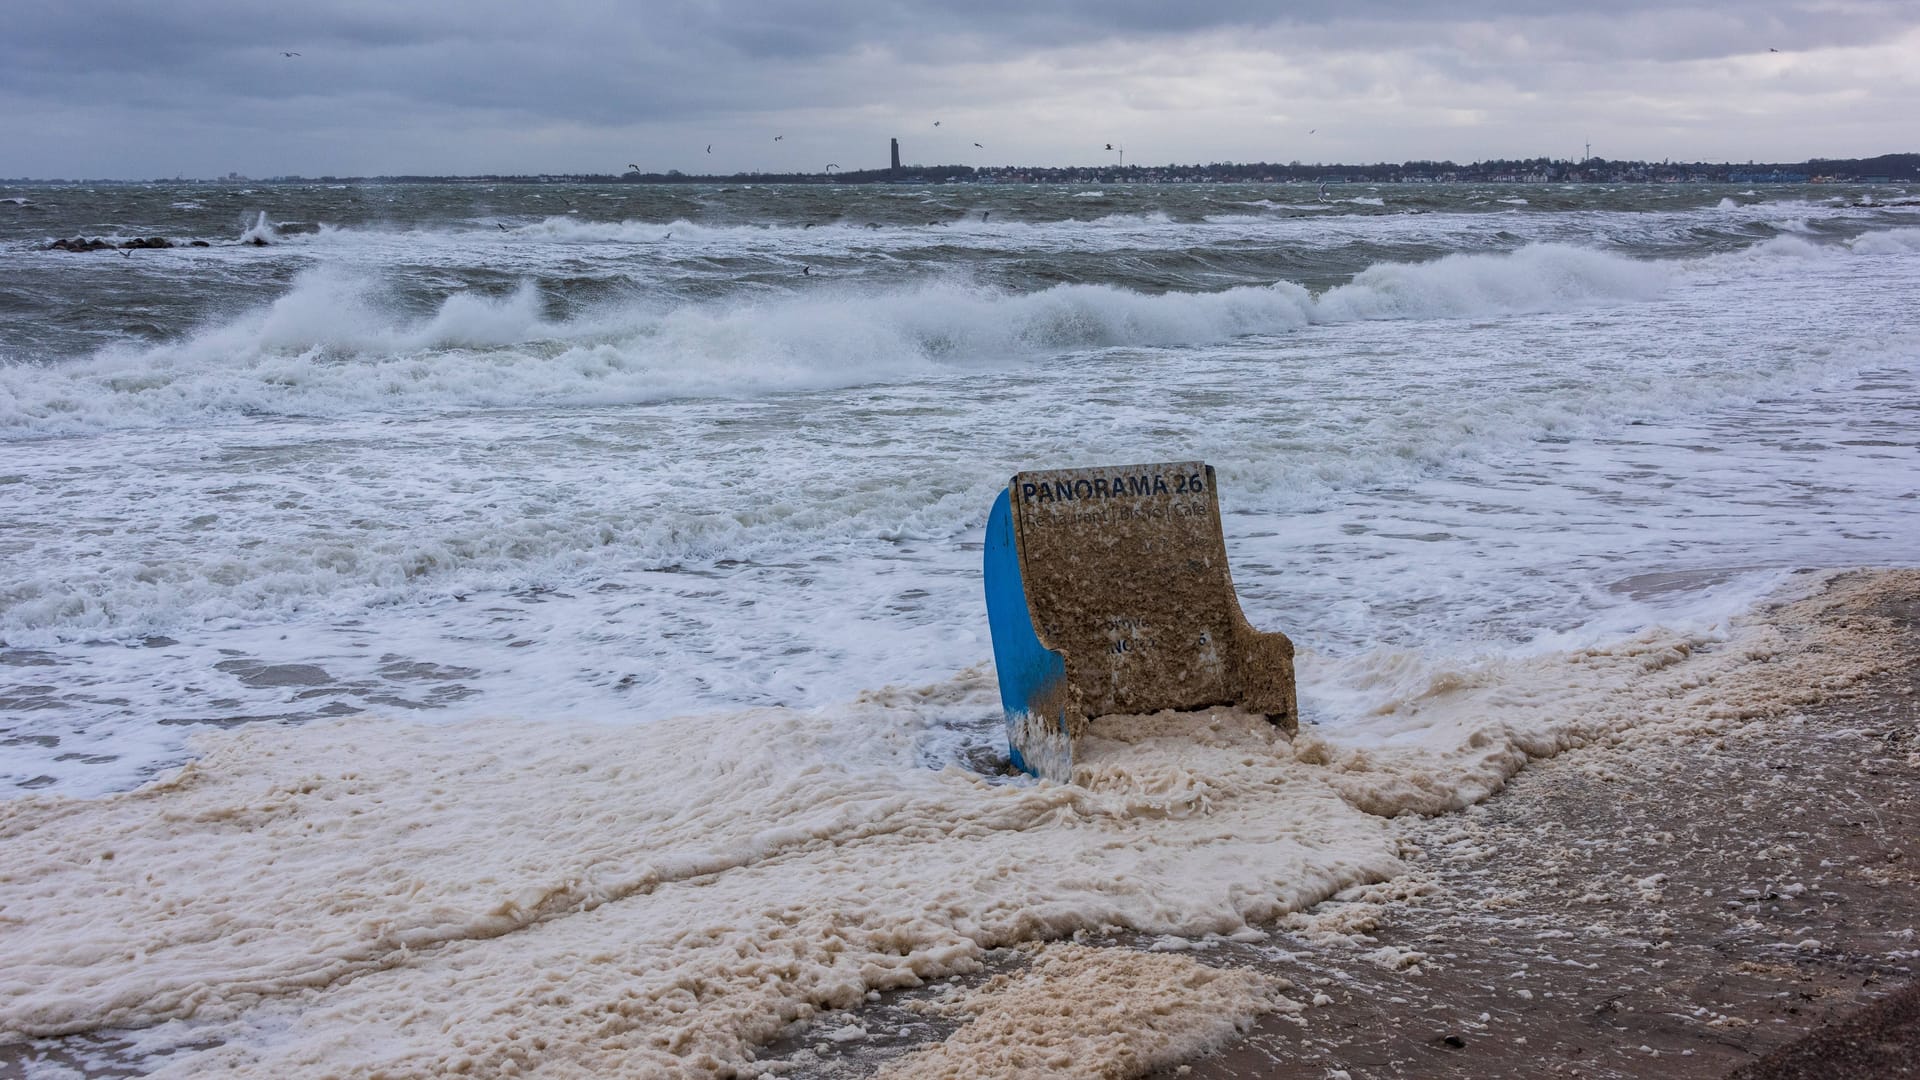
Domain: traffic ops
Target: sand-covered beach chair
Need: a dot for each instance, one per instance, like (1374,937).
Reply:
(1108,592)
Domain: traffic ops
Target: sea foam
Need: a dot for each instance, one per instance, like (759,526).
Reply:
(331,346)
(344,894)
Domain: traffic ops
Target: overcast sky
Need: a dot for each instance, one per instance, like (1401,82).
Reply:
(145,88)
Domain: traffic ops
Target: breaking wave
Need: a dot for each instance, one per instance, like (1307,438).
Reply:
(1890,242)
(333,346)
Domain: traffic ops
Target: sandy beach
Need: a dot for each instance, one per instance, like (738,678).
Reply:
(1675,907)
(1680,892)
(1705,895)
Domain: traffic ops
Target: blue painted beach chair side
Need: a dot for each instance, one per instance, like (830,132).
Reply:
(1033,678)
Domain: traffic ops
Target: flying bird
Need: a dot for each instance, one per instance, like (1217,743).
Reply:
(936,123)
(499,226)
(777,138)
(1770,49)
(807,270)
(1312,130)
(831,166)
(1109,146)
(289,54)
(709,148)
(981,147)
(633,167)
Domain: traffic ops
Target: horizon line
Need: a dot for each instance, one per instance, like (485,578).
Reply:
(955,169)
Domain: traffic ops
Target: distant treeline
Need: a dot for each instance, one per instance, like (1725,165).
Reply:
(1886,167)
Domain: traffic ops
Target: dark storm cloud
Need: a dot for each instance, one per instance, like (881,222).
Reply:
(477,52)
(200,74)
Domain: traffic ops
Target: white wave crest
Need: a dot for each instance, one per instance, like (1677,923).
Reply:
(260,232)
(332,346)
(574,230)
(332,310)
(1788,246)
(1890,242)
(1543,277)
(1153,217)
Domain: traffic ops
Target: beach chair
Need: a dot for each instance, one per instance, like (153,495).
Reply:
(1108,592)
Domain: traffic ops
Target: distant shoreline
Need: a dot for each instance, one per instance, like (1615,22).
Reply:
(1885,168)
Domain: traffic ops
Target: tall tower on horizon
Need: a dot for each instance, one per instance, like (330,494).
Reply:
(896,154)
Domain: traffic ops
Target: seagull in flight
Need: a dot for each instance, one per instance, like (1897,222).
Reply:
(631,166)
(499,226)
(1771,49)
(1312,130)
(936,123)
(981,147)
(831,166)
(283,53)
(709,148)
(1109,146)
(777,138)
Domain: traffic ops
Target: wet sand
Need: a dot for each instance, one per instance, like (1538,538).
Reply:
(1673,910)
(1675,905)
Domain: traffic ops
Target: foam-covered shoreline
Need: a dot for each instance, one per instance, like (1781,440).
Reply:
(490,895)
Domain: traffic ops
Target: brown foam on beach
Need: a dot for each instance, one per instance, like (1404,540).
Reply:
(1081,1013)
(1667,903)
(1459,741)
(673,899)
(1668,900)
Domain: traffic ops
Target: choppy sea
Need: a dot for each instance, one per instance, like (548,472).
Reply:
(636,453)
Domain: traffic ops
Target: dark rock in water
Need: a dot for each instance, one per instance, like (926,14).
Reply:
(79,243)
(82,243)
(200,243)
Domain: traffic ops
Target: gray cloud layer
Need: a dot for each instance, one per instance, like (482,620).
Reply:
(119,88)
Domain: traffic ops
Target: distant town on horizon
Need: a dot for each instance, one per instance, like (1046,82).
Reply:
(1886,168)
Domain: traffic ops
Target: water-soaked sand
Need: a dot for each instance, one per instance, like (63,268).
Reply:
(1681,906)
(1667,911)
